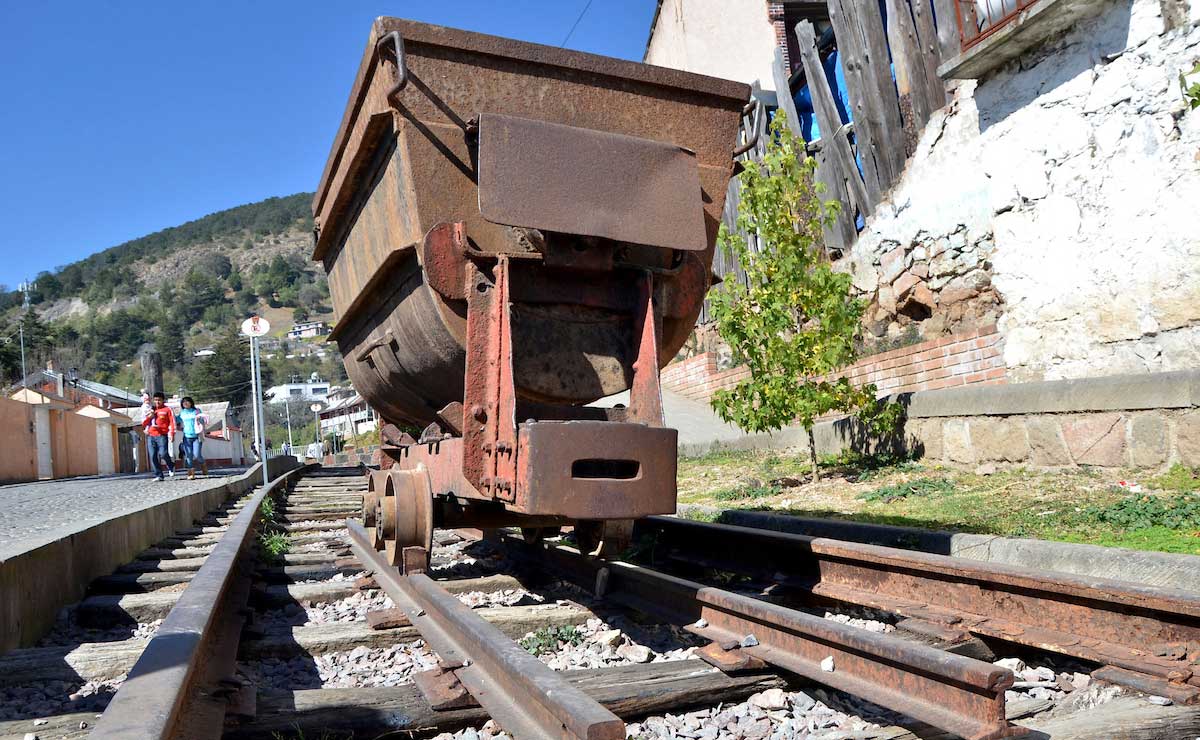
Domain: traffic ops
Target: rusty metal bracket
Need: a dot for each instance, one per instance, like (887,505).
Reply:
(442,689)
(729,660)
(645,393)
(521,693)
(489,426)
(757,113)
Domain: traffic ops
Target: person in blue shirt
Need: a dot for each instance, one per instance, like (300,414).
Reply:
(191,422)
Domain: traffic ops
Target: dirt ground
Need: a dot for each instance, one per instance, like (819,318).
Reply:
(1124,508)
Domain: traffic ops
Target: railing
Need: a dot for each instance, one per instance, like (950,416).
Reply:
(978,19)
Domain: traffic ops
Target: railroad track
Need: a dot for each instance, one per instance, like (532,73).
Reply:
(201,637)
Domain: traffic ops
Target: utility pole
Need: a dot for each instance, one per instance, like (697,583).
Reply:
(254,327)
(287,408)
(25,287)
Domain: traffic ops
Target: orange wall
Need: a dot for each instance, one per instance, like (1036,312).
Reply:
(19,461)
(72,444)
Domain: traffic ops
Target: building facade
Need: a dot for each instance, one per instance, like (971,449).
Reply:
(1036,233)
(313,389)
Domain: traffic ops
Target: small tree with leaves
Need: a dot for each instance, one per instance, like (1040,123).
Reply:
(795,322)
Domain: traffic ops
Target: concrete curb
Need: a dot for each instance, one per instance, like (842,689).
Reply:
(1168,570)
(39,582)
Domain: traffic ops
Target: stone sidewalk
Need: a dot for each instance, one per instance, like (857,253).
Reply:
(33,514)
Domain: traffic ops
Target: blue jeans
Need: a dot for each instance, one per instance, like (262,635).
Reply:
(160,455)
(191,451)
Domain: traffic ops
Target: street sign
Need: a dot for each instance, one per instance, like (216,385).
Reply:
(255,326)
(315,408)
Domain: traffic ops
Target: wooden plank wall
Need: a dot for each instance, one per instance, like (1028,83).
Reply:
(893,87)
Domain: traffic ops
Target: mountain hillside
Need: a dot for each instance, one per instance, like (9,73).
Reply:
(181,288)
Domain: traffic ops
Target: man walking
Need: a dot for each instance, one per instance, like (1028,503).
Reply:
(160,430)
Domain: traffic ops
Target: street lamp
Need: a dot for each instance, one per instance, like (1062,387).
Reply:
(316,409)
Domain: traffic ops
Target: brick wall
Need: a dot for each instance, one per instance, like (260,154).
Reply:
(963,359)
(775,14)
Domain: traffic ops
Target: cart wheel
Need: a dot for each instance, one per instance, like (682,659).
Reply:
(604,538)
(407,513)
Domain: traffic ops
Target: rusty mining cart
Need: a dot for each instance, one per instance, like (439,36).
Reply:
(512,231)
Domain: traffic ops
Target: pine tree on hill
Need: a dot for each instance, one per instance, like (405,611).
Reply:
(225,374)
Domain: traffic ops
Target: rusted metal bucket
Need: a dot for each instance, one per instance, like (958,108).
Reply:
(586,171)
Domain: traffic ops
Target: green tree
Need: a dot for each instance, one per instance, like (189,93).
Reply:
(225,374)
(214,263)
(171,334)
(794,323)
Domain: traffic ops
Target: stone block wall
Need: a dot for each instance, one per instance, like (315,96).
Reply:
(966,359)
(1139,439)
(1140,421)
(1147,421)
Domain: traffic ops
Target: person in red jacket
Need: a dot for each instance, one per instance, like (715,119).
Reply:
(160,430)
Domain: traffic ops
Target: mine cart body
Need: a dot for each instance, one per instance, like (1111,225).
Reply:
(510,232)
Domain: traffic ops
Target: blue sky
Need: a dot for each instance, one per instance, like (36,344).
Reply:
(122,118)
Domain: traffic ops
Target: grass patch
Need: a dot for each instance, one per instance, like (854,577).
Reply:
(267,509)
(549,639)
(916,487)
(1179,478)
(700,515)
(1181,511)
(751,491)
(1079,505)
(274,545)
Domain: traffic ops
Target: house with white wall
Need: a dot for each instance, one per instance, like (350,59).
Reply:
(1032,257)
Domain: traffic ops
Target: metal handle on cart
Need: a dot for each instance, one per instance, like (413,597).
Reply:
(401,67)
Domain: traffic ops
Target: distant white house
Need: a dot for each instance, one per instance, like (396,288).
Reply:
(314,389)
(347,414)
(205,352)
(306,329)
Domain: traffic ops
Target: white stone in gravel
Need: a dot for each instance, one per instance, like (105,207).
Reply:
(749,641)
(770,699)
(1016,665)
(1161,701)
(610,638)
(827,664)
(871,625)
(802,702)
(635,653)
(1038,674)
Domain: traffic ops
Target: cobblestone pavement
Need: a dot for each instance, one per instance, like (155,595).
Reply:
(32,514)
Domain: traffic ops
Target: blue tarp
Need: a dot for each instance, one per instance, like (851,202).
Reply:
(837,84)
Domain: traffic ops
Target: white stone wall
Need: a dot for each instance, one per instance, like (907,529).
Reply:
(1059,196)
(733,39)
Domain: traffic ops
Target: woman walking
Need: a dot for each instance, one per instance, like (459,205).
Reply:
(192,422)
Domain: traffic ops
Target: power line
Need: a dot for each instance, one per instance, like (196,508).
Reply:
(575,25)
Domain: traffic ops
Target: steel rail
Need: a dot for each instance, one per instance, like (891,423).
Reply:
(954,693)
(167,692)
(521,693)
(1141,628)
